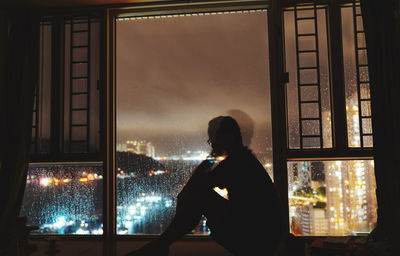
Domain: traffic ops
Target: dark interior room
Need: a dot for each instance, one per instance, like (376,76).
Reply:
(105,114)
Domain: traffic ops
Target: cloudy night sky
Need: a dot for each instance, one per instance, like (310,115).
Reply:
(175,74)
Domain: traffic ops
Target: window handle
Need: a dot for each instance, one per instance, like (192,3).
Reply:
(285,77)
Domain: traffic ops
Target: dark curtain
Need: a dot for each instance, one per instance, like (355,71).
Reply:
(3,54)
(21,69)
(382,28)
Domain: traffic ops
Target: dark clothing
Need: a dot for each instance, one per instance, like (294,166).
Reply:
(249,223)
(253,216)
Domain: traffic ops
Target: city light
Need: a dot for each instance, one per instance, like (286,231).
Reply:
(45,181)
(341,202)
(220,158)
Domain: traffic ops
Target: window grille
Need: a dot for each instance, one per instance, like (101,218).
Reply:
(79,114)
(359,123)
(309,111)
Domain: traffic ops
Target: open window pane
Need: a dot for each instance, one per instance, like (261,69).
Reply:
(334,198)
(308,90)
(42,100)
(67,98)
(64,198)
(174,74)
(81,85)
(358,99)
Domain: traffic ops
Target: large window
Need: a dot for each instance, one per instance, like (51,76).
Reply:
(176,67)
(64,198)
(174,74)
(332,198)
(64,188)
(331,180)
(308,91)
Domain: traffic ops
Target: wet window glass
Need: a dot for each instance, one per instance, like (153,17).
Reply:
(174,74)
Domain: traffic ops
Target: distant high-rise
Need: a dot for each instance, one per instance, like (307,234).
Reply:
(313,221)
(137,147)
(351,196)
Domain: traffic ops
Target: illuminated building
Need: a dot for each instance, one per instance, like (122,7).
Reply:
(350,187)
(343,202)
(121,147)
(351,197)
(137,147)
(353,125)
(334,194)
(313,221)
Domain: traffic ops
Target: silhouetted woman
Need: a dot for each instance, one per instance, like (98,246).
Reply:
(249,221)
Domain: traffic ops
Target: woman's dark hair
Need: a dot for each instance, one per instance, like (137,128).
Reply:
(225,124)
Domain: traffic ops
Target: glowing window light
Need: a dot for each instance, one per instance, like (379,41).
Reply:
(220,158)
(45,181)
(132,210)
(168,203)
(82,232)
(143,210)
(61,222)
(97,231)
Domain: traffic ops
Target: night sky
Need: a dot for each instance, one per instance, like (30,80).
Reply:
(175,74)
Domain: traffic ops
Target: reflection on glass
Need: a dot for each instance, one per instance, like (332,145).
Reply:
(332,198)
(174,74)
(64,198)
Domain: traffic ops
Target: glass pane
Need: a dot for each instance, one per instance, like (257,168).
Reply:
(309,93)
(292,86)
(79,70)
(80,23)
(80,54)
(309,110)
(64,198)
(313,142)
(41,117)
(332,198)
(308,76)
(356,74)
(313,83)
(368,141)
(367,125)
(365,91)
(308,60)
(324,79)
(171,80)
(306,43)
(311,127)
(84,64)
(306,26)
(80,39)
(362,56)
(80,101)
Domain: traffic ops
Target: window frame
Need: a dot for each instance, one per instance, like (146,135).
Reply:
(149,10)
(281,153)
(56,19)
(340,149)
